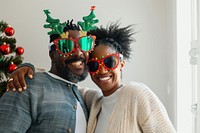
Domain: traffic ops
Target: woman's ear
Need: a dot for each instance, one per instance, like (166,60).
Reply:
(123,62)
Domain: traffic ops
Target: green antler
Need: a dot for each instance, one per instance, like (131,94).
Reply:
(89,21)
(54,24)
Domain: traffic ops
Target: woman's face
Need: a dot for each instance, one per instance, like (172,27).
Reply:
(107,80)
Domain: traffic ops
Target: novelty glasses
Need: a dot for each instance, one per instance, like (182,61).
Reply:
(109,62)
(66,46)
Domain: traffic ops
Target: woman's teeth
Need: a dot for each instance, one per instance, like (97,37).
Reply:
(104,78)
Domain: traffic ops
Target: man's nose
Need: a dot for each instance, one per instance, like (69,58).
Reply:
(77,51)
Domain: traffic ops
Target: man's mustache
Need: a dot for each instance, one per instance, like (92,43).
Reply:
(74,59)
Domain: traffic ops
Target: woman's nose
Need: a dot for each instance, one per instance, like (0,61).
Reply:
(102,69)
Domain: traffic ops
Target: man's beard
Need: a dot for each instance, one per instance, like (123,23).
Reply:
(75,78)
(66,73)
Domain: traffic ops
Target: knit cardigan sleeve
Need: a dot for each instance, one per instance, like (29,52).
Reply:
(152,115)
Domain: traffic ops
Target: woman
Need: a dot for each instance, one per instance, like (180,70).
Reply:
(123,108)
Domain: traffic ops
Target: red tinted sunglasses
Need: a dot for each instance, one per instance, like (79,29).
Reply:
(109,62)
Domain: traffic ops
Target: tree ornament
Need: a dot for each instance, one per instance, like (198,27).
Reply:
(9,31)
(19,50)
(5,49)
(12,67)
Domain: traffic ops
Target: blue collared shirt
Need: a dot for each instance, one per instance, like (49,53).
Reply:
(47,106)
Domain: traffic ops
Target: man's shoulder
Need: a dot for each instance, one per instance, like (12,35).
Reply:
(38,78)
(39,75)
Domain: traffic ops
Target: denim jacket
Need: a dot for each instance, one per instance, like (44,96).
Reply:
(47,106)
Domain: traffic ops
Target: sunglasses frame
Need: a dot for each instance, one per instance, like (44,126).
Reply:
(118,56)
(76,44)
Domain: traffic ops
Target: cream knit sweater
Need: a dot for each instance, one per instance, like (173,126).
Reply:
(137,110)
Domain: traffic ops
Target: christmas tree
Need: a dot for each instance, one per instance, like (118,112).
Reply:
(10,55)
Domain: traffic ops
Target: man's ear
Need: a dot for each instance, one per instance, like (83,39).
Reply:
(52,55)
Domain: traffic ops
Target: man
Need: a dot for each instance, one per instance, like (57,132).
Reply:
(52,102)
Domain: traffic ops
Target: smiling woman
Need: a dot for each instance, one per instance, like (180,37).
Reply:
(131,107)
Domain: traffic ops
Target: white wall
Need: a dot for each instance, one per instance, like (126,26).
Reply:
(153,60)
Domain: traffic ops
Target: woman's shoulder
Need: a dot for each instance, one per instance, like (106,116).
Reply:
(136,87)
(139,90)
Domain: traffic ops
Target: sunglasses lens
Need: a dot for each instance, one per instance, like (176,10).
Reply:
(86,43)
(93,66)
(111,62)
(65,46)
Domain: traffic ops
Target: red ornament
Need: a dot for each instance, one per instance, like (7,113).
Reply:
(19,51)
(12,67)
(5,49)
(9,31)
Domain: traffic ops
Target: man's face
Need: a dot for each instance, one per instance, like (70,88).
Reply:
(72,67)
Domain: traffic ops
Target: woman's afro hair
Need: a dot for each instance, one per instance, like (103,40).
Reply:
(116,37)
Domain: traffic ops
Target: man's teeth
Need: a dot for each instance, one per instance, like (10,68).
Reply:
(77,63)
(104,78)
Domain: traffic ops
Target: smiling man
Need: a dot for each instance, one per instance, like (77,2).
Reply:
(52,102)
